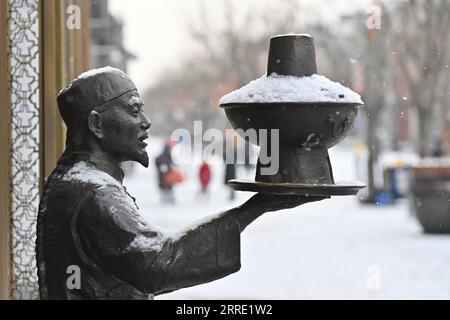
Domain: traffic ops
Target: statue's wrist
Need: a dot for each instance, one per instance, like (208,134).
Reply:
(247,213)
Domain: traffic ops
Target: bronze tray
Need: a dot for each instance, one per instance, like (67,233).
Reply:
(339,189)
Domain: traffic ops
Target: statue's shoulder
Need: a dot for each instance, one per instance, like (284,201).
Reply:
(86,175)
(79,182)
(98,186)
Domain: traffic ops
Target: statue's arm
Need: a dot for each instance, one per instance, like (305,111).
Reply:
(150,258)
(157,261)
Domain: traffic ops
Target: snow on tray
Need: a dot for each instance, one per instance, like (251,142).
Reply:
(278,88)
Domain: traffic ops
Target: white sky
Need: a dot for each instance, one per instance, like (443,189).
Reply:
(155,30)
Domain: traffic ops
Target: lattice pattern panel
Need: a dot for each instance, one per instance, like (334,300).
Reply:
(24,59)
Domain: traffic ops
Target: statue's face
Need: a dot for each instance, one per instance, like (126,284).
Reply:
(124,128)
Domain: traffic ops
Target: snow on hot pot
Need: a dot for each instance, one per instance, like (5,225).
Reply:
(309,112)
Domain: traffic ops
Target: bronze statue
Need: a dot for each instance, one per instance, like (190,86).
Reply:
(87,219)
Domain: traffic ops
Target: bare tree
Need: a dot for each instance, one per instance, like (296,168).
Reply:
(376,65)
(422,32)
(367,50)
(230,54)
(239,47)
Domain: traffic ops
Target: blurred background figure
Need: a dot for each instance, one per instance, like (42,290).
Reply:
(168,176)
(249,165)
(204,175)
(438,150)
(230,174)
(230,159)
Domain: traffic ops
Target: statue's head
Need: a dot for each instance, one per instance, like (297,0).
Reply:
(102,108)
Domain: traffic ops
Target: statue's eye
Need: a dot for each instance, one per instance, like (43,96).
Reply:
(135,111)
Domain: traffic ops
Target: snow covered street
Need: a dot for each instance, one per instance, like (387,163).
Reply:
(334,249)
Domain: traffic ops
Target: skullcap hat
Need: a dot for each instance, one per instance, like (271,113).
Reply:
(90,90)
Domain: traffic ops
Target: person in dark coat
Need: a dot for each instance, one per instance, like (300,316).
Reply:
(164,165)
(230,174)
(230,159)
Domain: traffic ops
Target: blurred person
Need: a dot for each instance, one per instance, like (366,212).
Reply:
(230,174)
(204,175)
(248,151)
(438,150)
(230,150)
(167,177)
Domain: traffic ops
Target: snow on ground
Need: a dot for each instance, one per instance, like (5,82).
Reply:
(335,249)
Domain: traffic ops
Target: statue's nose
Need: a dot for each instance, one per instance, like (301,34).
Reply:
(145,124)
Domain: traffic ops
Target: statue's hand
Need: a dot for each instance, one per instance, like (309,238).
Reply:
(274,202)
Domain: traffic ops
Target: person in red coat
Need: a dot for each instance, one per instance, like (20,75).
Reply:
(205,178)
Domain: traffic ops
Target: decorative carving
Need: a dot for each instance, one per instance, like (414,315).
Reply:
(24,63)
(338,130)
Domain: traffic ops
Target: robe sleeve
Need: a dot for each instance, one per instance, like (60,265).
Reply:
(113,237)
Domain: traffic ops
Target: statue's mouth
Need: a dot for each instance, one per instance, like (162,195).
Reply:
(142,142)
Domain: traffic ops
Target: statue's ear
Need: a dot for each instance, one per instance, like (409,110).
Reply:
(95,124)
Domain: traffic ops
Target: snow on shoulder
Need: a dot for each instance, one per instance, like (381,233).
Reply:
(86,173)
(278,88)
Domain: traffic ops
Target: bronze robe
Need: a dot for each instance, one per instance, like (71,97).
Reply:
(90,221)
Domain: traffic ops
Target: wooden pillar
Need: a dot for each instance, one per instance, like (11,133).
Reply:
(81,40)
(65,53)
(52,80)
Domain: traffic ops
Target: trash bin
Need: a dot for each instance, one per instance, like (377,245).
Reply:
(430,196)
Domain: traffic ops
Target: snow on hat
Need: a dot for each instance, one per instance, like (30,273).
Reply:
(92,89)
